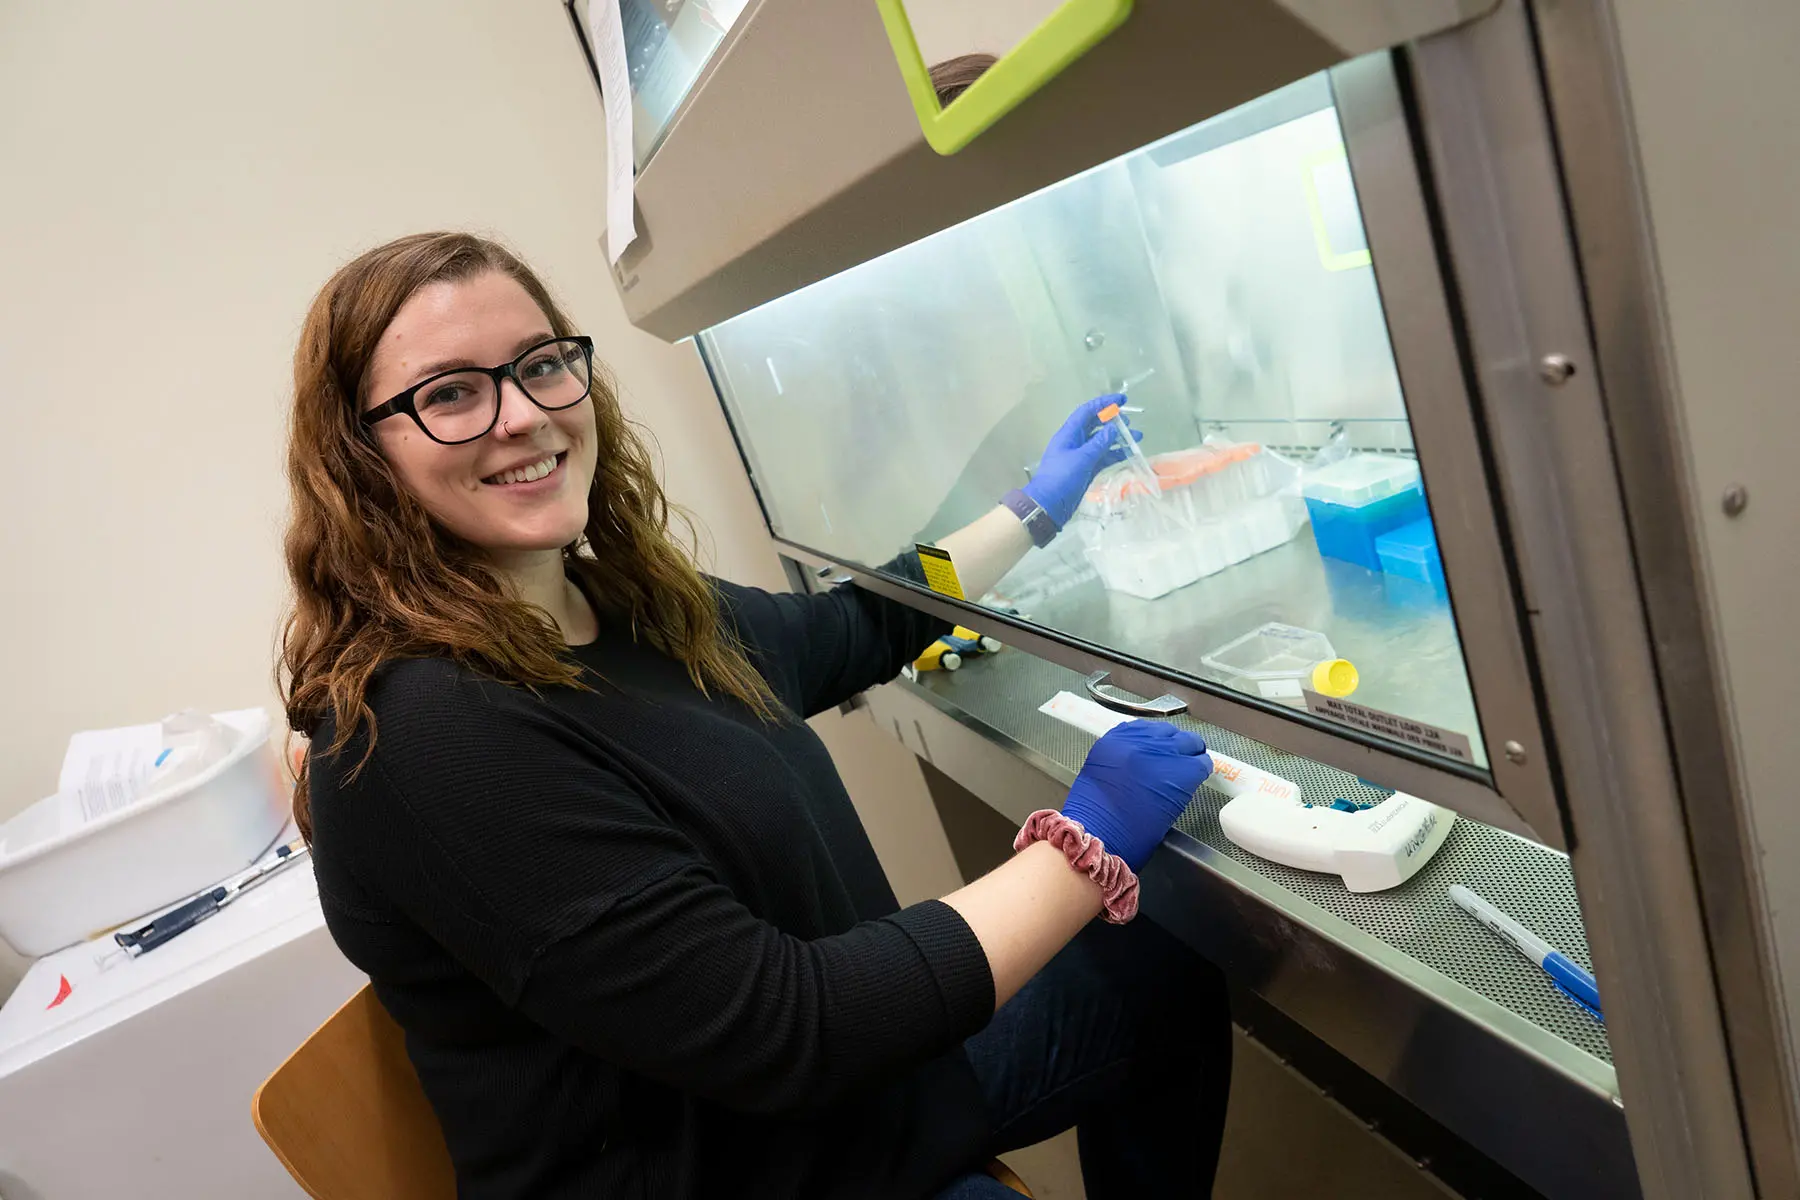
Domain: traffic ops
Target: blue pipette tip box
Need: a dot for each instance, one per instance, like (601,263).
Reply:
(1357,500)
(1411,552)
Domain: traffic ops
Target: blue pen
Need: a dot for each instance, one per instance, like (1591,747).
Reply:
(1569,979)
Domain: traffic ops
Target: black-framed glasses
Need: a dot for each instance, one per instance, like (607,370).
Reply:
(459,406)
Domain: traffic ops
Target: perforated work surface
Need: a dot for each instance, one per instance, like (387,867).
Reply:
(1418,919)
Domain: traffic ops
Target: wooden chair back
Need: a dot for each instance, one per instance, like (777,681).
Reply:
(346,1116)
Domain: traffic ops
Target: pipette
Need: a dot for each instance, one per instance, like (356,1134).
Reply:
(1372,849)
(184,917)
(1134,453)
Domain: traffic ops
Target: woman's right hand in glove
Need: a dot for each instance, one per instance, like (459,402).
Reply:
(1137,780)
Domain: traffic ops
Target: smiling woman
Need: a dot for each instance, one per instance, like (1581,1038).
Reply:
(567,815)
(545,439)
(423,535)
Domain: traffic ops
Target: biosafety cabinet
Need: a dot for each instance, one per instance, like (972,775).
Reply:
(1414,305)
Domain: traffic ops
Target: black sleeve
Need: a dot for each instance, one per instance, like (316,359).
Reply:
(552,878)
(819,650)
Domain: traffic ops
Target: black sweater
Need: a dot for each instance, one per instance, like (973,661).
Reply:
(638,939)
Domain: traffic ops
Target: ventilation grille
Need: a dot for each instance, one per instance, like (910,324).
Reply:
(1532,884)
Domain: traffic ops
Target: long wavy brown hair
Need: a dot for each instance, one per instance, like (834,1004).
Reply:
(376,578)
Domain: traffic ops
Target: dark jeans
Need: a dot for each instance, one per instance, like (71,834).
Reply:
(1125,1035)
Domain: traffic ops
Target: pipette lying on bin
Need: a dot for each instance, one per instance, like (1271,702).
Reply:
(184,917)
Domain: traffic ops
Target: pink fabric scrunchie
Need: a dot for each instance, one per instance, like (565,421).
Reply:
(1087,854)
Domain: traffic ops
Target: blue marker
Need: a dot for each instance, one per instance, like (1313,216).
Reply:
(1569,979)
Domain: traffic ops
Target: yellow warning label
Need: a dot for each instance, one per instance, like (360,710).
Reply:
(940,572)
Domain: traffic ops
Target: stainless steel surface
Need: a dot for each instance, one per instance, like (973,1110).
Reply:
(1490,612)
(1394,765)
(1555,369)
(868,497)
(1010,777)
(1162,706)
(1430,1040)
(1578,45)
(1497,182)
(1417,918)
(800,578)
(1400,636)
(896,401)
(1401,982)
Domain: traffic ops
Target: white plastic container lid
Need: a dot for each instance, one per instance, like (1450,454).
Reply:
(1278,662)
(1272,651)
(1360,479)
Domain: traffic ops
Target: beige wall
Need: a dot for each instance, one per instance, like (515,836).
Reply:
(180,178)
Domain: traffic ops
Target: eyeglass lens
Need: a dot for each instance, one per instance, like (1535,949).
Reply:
(463,405)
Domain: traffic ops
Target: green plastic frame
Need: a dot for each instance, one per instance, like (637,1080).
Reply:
(1064,36)
(1330,257)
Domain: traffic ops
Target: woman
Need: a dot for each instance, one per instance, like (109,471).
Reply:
(568,817)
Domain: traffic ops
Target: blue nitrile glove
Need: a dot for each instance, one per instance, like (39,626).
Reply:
(1136,781)
(1074,456)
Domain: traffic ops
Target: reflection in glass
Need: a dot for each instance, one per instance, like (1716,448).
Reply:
(667,44)
(1222,279)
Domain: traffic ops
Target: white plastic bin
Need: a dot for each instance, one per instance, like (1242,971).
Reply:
(61,884)
(1220,504)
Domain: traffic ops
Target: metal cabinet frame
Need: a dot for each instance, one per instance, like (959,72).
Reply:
(1517,792)
(1505,216)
